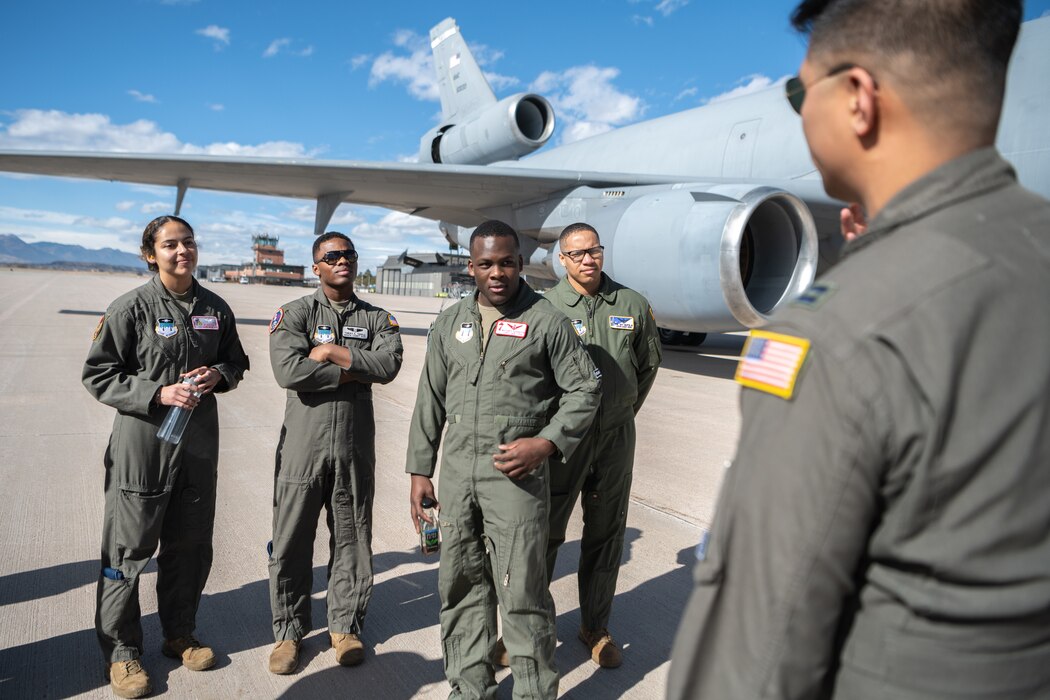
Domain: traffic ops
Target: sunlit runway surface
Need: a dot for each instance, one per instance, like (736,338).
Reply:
(53,435)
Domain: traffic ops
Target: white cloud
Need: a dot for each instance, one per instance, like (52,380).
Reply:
(417,68)
(666,7)
(308,51)
(215,107)
(275,46)
(359,60)
(220,35)
(754,83)
(54,130)
(643,19)
(157,207)
(142,97)
(688,92)
(587,102)
(124,205)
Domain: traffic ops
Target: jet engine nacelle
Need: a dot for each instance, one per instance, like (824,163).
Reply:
(513,127)
(709,257)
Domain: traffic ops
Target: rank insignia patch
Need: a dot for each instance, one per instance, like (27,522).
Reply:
(816,295)
(275,322)
(98,328)
(622,323)
(577,324)
(771,362)
(166,327)
(205,323)
(465,332)
(512,329)
(324,334)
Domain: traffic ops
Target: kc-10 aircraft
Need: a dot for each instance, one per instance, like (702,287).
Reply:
(716,214)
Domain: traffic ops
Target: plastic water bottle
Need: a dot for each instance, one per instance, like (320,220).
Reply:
(177,419)
(429,534)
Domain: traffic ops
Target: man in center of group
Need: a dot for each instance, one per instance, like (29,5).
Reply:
(617,326)
(326,349)
(507,373)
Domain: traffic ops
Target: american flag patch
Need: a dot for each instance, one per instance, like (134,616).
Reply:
(771,362)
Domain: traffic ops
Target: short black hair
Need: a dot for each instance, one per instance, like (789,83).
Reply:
(576,228)
(495,229)
(149,236)
(948,57)
(327,237)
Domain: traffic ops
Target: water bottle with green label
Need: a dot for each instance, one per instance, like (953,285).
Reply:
(429,534)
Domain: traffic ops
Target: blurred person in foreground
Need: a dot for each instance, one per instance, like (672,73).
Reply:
(883,530)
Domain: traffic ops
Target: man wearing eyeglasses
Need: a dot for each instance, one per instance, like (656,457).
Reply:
(617,327)
(883,530)
(327,349)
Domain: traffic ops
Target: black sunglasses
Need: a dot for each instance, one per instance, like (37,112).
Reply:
(795,90)
(332,256)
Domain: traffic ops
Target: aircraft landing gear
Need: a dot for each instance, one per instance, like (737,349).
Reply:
(670,337)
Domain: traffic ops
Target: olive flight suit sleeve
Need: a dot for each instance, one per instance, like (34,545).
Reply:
(382,361)
(232,361)
(649,355)
(290,354)
(428,416)
(794,516)
(107,374)
(577,377)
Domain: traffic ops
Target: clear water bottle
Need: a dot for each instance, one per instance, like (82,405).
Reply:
(429,534)
(177,419)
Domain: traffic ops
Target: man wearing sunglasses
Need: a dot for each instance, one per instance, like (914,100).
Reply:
(883,530)
(617,327)
(327,349)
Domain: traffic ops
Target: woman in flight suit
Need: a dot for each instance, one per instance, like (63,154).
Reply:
(148,342)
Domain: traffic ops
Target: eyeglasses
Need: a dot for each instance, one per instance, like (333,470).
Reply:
(795,90)
(332,256)
(577,255)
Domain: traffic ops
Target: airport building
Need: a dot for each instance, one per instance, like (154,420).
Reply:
(268,266)
(424,275)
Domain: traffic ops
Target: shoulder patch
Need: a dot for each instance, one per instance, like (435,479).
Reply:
(393,321)
(98,328)
(275,322)
(815,296)
(771,362)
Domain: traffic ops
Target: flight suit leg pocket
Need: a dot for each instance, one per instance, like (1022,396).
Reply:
(138,521)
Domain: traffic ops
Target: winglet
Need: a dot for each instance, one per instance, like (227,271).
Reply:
(464,89)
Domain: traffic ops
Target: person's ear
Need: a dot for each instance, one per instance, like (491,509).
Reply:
(863,102)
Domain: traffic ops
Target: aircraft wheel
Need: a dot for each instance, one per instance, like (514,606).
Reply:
(669,337)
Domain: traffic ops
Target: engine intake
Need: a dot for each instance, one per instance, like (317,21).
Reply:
(513,127)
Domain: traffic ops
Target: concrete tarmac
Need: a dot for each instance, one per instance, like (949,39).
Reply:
(53,435)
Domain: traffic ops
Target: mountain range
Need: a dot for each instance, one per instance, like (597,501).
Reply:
(14,250)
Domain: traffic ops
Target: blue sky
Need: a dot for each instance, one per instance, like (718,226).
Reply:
(332,80)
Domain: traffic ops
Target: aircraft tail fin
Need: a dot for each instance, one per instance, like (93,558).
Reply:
(464,89)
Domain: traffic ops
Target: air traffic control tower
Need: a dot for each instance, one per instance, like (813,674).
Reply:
(268,266)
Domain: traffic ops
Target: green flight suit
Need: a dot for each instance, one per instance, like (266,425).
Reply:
(155,492)
(885,533)
(533,379)
(326,457)
(617,327)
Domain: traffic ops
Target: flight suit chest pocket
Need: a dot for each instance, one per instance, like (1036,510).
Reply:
(515,361)
(207,333)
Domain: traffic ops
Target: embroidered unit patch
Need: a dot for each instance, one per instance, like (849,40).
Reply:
(166,327)
(577,325)
(98,328)
(275,322)
(324,334)
(771,362)
(465,332)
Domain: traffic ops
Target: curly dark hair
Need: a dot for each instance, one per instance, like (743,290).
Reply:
(149,236)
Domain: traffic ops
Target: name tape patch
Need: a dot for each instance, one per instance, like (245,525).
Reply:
(622,323)
(512,329)
(205,323)
(771,362)
(355,332)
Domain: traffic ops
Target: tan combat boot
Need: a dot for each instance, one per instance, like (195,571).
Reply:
(284,658)
(604,651)
(128,679)
(193,655)
(349,650)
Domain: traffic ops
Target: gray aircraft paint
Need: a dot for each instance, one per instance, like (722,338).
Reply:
(716,214)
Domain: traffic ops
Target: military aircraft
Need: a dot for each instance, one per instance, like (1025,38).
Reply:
(716,214)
